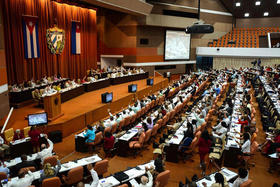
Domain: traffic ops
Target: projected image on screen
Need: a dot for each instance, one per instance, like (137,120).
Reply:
(177,45)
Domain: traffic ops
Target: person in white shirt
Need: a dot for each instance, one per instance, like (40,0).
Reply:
(146,181)
(4,169)
(24,180)
(94,175)
(136,107)
(131,112)
(110,122)
(242,177)
(246,146)
(220,130)
(45,151)
(4,148)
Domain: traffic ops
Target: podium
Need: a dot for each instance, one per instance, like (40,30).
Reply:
(52,105)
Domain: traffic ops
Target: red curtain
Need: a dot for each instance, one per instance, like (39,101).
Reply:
(69,65)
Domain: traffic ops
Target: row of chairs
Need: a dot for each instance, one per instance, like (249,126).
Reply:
(126,122)
(9,133)
(161,123)
(244,37)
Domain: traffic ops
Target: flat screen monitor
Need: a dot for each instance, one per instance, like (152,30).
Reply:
(150,82)
(38,119)
(132,88)
(107,97)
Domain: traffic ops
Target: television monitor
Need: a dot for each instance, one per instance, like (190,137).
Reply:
(132,88)
(38,119)
(150,82)
(107,97)
(167,74)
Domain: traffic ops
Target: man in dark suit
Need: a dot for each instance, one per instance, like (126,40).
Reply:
(24,163)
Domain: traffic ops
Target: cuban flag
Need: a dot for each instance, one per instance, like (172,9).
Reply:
(30,37)
(76,38)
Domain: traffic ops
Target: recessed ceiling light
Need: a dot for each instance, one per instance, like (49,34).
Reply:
(239,4)
(258,3)
(265,14)
(246,15)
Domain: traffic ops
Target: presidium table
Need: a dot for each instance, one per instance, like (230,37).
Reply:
(26,95)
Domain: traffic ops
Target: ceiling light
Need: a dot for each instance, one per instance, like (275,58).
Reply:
(239,4)
(278,1)
(258,3)
(265,14)
(246,15)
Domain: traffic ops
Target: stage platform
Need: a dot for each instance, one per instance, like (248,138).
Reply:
(87,108)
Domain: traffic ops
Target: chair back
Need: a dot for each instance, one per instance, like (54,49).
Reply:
(148,135)
(114,128)
(33,94)
(142,138)
(121,124)
(154,130)
(3,176)
(51,159)
(75,175)
(53,182)
(9,134)
(107,129)
(26,131)
(163,178)
(254,147)
(98,138)
(123,185)
(247,183)
(127,121)
(101,167)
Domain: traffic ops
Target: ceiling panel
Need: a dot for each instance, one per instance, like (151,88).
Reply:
(248,6)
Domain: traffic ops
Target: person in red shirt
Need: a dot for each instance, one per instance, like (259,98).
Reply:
(204,144)
(18,135)
(243,121)
(109,142)
(34,134)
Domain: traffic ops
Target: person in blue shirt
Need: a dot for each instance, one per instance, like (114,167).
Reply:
(90,134)
(4,168)
(217,90)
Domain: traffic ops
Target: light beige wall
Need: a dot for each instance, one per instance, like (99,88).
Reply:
(258,22)
(221,63)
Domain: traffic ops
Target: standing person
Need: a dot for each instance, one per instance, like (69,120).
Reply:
(90,134)
(4,148)
(246,146)
(204,144)
(45,151)
(109,142)
(34,134)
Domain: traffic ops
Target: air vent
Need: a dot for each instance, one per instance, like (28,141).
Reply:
(144,41)
(180,14)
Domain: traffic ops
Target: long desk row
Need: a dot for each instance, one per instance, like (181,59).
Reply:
(64,167)
(25,95)
(132,174)
(273,95)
